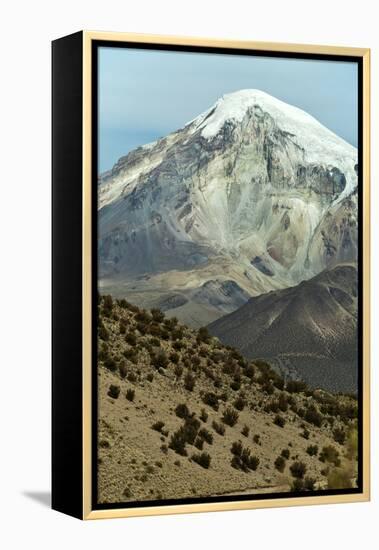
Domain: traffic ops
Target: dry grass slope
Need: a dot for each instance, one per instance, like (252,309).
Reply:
(181,415)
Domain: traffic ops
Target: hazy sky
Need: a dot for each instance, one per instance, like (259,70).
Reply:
(144,94)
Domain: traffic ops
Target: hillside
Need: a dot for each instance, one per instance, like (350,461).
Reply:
(308,331)
(181,415)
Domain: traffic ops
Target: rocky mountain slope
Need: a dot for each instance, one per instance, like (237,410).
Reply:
(251,196)
(308,331)
(183,416)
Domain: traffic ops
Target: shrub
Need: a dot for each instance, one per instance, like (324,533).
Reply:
(206,435)
(107,304)
(160,361)
(157,315)
(155,342)
(110,364)
(164,449)
(339,478)
(114,391)
(189,382)
(142,316)
(211,399)
(178,442)
(298,469)
(242,458)
(249,371)
(177,345)
(130,394)
(199,443)
(178,371)
(312,450)
(132,377)
(339,436)
(330,454)
(157,426)
(150,377)
(182,411)
(122,369)
(230,416)
(131,338)
(103,333)
(313,416)
(218,428)
(305,433)
(280,463)
(300,485)
(283,402)
(296,386)
(203,415)
(235,385)
(177,334)
(285,453)
(122,327)
(240,403)
(279,421)
(174,357)
(190,429)
(245,431)
(203,335)
(257,439)
(203,459)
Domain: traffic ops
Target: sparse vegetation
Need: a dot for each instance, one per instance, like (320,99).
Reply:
(298,469)
(230,417)
(203,459)
(242,458)
(114,391)
(130,394)
(218,428)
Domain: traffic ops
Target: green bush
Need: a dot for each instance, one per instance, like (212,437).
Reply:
(110,364)
(206,435)
(203,459)
(242,458)
(189,381)
(160,361)
(298,469)
(122,369)
(131,338)
(218,428)
(313,416)
(330,454)
(211,399)
(157,315)
(312,450)
(199,443)
(230,417)
(203,335)
(279,421)
(285,453)
(296,386)
(178,371)
(103,333)
(178,442)
(130,394)
(157,426)
(203,415)
(245,431)
(240,403)
(339,436)
(114,391)
(280,463)
(174,357)
(182,411)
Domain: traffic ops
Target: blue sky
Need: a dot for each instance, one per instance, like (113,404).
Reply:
(146,94)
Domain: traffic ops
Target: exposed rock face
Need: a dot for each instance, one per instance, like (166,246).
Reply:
(308,331)
(252,191)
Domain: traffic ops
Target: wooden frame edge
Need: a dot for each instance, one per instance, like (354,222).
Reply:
(88,513)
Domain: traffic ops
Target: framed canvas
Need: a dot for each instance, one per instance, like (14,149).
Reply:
(210,275)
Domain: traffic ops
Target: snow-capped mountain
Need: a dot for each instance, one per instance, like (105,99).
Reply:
(252,195)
